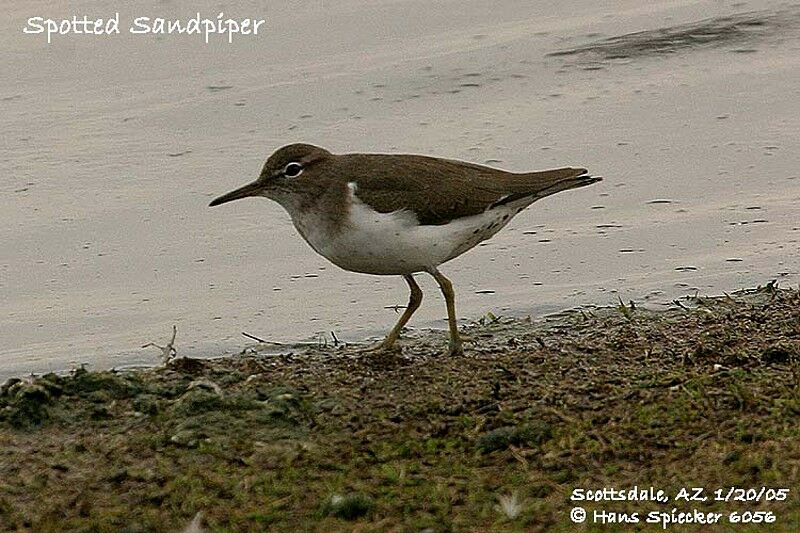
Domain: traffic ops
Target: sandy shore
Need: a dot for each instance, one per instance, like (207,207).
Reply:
(113,147)
(703,394)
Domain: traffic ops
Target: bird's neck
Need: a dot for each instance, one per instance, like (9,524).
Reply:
(324,210)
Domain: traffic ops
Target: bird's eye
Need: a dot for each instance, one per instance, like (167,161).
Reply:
(292,170)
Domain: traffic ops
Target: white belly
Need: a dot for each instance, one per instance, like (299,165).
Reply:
(395,243)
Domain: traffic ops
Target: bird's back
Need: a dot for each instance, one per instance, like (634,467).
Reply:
(440,190)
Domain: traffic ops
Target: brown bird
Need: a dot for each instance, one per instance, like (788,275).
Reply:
(392,214)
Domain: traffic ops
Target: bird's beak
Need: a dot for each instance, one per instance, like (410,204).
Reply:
(251,189)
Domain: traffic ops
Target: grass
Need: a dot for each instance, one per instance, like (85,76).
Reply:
(704,394)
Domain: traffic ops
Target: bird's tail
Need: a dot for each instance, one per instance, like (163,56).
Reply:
(536,185)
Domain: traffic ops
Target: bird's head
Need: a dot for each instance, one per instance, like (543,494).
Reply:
(284,174)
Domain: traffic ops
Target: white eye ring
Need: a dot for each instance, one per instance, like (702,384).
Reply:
(292,170)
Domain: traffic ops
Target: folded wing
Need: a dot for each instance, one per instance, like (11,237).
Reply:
(439,190)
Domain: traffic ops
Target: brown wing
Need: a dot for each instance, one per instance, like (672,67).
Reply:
(440,190)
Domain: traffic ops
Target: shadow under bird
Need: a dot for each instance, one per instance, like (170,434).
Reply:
(390,214)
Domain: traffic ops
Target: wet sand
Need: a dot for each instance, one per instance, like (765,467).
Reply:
(113,148)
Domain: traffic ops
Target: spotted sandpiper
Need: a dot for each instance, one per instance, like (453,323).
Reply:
(390,214)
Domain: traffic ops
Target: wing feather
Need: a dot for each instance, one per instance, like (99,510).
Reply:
(440,190)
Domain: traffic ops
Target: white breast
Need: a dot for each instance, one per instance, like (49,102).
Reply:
(395,243)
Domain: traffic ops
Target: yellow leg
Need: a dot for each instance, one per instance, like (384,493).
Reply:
(456,347)
(414,301)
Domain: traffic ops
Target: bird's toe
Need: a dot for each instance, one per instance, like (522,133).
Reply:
(455,349)
(381,347)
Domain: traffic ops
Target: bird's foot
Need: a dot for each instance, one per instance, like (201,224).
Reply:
(455,348)
(381,348)
(383,356)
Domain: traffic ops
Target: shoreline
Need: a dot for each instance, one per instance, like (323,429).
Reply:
(80,284)
(146,355)
(702,394)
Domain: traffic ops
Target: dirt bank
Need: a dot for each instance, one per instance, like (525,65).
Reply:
(704,394)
